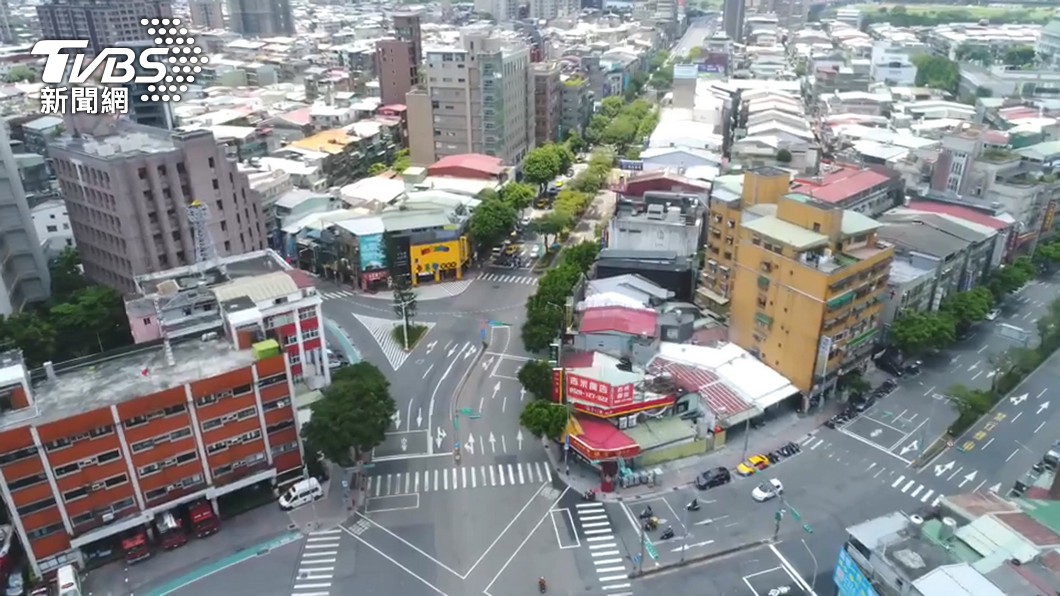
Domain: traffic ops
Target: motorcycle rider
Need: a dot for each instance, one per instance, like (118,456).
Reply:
(694,505)
(541,584)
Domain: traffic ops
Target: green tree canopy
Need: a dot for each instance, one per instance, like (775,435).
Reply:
(352,415)
(620,132)
(20,74)
(969,307)
(914,332)
(572,203)
(551,225)
(491,222)
(541,166)
(1011,277)
(404,300)
(545,419)
(974,53)
(377,168)
(575,141)
(401,161)
(1020,56)
(783,156)
(518,195)
(938,72)
(610,107)
(564,155)
(536,377)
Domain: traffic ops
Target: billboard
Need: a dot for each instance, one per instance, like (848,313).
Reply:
(402,260)
(849,579)
(373,255)
(714,63)
(597,393)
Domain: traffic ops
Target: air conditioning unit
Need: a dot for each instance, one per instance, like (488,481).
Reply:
(108,517)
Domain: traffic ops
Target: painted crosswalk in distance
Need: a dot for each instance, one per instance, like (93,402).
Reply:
(506,278)
(608,562)
(458,478)
(316,566)
(337,295)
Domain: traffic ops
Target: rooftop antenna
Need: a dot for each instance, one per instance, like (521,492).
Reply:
(205,249)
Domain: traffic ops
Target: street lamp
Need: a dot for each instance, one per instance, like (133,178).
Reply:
(405,323)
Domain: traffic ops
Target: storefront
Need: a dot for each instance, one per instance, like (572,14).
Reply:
(374,281)
(439,261)
(603,446)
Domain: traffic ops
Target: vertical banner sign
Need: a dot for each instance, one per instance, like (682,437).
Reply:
(557,385)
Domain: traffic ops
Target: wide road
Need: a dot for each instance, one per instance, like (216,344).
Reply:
(905,423)
(698,30)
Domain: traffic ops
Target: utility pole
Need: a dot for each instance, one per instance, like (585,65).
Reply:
(746,438)
(640,559)
(404,324)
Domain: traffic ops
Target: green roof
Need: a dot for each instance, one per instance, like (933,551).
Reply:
(855,223)
(788,233)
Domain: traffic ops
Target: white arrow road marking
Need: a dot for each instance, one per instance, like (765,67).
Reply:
(996,488)
(430,346)
(496,388)
(504,404)
(396,417)
(1043,407)
(470,352)
(486,363)
(940,470)
(911,447)
(522,393)
(419,417)
(470,444)
(1018,399)
(876,433)
(493,442)
(688,546)
(519,438)
(439,436)
(450,353)
(967,479)
(404,443)
(991,374)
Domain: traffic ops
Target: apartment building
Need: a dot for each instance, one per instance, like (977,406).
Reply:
(398,60)
(261,18)
(1048,47)
(24,275)
(103,23)
(547,103)
(127,188)
(552,9)
(576,105)
(807,288)
(207,14)
(850,187)
(733,14)
(97,448)
(502,11)
(729,198)
(480,98)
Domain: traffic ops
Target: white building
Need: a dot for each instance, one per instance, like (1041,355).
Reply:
(53,227)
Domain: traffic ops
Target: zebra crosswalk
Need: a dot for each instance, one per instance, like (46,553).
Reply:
(458,478)
(316,567)
(506,278)
(607,558)
(909,486)
(337,295)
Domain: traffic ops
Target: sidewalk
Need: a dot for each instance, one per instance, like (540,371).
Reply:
(683,472)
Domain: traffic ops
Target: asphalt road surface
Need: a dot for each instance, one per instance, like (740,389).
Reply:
(698,30)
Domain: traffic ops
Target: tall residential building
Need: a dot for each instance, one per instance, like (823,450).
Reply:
(398,60)
(128,188)
(103,23)
(149,113)
(791,14)
(547,105)
(207,14)
(808,288)
(260,18)
(5,23)
(733,14)
(551,9)
(24,276)
(479,99)
(576,105)
(501,10)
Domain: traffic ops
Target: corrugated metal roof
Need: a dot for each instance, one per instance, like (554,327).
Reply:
(956,580)
(261,288)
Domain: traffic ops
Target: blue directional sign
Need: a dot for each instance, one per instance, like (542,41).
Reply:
(849,579)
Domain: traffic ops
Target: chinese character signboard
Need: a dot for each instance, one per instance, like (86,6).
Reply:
(849,579)
(557,385)
(588,391)
(622,395)
(614,411)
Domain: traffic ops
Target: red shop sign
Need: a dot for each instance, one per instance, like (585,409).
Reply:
(589,391)
(557,385)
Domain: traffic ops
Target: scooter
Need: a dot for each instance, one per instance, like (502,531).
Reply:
(589,495)
(651,524)
(667,534)
(693,506)
(541,585)
(647,513)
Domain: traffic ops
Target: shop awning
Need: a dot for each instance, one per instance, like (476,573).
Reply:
(602,441)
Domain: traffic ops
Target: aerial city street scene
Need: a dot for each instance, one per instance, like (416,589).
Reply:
(609,298)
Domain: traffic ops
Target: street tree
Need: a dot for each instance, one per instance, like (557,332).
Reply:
(31,333)
(620,132)
(518,195)
(1020,56)
(572,202)
(969,307)
(915,332)
(491,222)
(971,405)
(545,419)
(938,72)
(610,107)
(1011,277)
(352,415)
(401,161)
(564,155)
(536,377)
(783,156)
(575,141)
(1047,254)
(695,53)
(404,302)
(66,275)
(856,385)
(377,168)
(541,327)
(551,225)
(541,166)
(582,256)
(91,320)
(596,127)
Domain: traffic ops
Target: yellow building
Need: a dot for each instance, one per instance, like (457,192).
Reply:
(439,260)
(808,279)
(729,197)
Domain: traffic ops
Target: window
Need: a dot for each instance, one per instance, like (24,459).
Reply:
(310,334)
(66,470)
(118,480)
(274,380)
(272,428)
(27,481)
(275,405)
(52,228)
(45,531)
(294,359)
(36,506)
(77,493)
(108,456)
(18,454)
(212,424)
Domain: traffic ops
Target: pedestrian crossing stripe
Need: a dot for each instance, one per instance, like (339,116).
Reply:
(608,562)
(458,478)
(509,279)
(336,295)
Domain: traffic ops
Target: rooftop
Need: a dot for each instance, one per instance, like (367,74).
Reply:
(236,266)
(329,141)
(491,166)
(618,319)
(840,185)
(920,238)
(972,215)
(795,236)
(102,380)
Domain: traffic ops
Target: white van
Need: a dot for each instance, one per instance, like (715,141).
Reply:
(68,581)
(301,493)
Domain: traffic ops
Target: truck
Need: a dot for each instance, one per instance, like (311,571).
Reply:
(170,531)
(203,520)
(135,546)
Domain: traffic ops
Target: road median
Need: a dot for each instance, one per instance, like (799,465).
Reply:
(664,567)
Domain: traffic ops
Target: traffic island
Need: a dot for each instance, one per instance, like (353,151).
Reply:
(663,567)
(415,334)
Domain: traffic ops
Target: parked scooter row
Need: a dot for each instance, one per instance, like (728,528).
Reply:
(862,403)
(787,450)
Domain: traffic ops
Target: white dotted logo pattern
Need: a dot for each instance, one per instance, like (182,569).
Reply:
(184,59)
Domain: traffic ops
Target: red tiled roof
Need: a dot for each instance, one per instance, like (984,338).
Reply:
(1026,526)
(995,137)
(601,435)
(840,185)
(1017,113)
(720,399)
(959,212)
(471,161)
(578,359)
(618,319)
(397,107)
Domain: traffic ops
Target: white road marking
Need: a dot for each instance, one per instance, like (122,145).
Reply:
(906,488)
(916,492)
(1037,429)
(897,482)
(927,496)
(1014,452)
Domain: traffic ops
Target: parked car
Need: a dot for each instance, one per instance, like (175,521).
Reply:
(752,465)
(993,315)
(768,490)
(535,251)
(712,478)
(15,587)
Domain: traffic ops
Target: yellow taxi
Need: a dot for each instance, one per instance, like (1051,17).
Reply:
(513,249)
(752,465)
